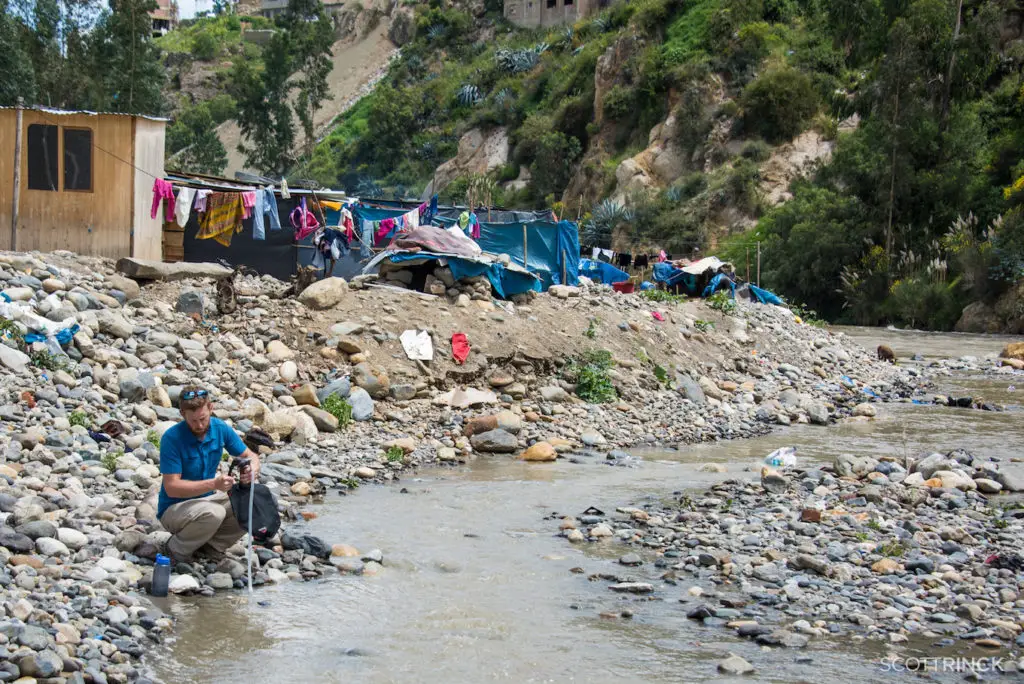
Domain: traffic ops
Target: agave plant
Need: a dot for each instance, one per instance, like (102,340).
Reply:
(602,23)
(436,32)
(606,216)
(674,194)
(367,187)
(567,37)
(469,95)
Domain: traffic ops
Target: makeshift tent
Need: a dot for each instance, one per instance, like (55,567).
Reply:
(550,248)
(506,281)
(675,279)
(601,272)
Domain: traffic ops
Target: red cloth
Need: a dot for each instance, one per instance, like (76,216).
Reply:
(460,347)
(657,316)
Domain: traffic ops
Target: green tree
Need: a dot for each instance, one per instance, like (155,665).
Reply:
(312,35)
(778,103)
(127,73)
(17,75)
(193,145)
(263,112)
(556,155)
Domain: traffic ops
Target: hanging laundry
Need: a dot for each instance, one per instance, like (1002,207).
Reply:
(662,257)
(474,226)
(284,190)
(183,205)
(367,239)
(464,220)
(200,203)
(258,210)
(383,228)
(624,260)
(642,261)
(270,208)
(348,224)
(303,221)
(329,244)
(223,217)
(460,347)
(330,204)
(248,202)
(162,190)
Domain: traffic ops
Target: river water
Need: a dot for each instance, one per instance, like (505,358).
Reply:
(477,587)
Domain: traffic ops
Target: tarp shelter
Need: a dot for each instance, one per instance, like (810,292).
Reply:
(601,272)
(549,248)
(506,281)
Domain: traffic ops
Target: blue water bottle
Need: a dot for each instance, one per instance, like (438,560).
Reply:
(161,576)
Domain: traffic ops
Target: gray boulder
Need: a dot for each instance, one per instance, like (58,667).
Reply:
(495,441)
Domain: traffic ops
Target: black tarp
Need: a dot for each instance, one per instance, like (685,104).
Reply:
(275,256)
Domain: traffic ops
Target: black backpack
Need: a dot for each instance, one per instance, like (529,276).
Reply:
(266,521)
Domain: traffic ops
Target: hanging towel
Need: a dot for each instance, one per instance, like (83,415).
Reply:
(460,347)
(223,217)
(162,190)
(200,204)
(248,203)
(284,190)
(474,226)
(183,205)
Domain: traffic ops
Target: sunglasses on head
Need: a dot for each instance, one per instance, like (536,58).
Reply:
(193,394)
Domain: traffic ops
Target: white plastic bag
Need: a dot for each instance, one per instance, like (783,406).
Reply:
(418,345)
(784,457)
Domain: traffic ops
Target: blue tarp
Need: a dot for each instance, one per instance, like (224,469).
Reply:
(717,283)
(505,282)
(766,297)
(601,272)
(549,245)
(672,277)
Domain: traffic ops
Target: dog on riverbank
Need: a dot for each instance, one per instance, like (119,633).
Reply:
(885,353)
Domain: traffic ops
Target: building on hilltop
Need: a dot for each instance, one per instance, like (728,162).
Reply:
(165,17)
(541,13)
(79,181)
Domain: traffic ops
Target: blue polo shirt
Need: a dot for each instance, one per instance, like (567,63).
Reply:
(182,454)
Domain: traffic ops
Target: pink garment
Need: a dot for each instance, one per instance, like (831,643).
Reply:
(248,202)
(162,190)
(662,256)
(303,221)
(385,227)
(657,316)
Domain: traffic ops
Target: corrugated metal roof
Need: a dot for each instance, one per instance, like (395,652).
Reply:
(67,112)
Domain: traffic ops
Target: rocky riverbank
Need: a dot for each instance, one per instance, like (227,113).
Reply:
(78,500)
(892,550)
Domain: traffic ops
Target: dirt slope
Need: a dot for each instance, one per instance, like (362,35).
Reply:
(358,65)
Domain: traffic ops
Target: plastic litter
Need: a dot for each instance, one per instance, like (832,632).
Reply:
(784,457)
(417,345)
(460,347)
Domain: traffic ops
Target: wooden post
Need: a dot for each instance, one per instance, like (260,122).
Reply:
(563,268)
(17,174)
(748,263)
(759,263)
(579,212)
(525,253)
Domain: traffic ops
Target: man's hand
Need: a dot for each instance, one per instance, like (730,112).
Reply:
(252,472)
(223,483)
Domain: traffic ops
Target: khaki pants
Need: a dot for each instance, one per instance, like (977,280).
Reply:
(207,520)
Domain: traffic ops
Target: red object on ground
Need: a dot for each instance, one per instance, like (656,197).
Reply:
(657,315)
(460,347)
(624,288)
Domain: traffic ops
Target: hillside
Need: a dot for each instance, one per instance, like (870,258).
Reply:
(682,125)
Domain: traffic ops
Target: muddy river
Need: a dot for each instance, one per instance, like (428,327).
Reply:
(477,587)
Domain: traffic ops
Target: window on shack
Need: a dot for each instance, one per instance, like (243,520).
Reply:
(41,149)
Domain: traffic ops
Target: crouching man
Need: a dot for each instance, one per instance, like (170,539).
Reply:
(194,506)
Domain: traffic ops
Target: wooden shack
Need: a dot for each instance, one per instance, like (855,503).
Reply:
(85,182)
